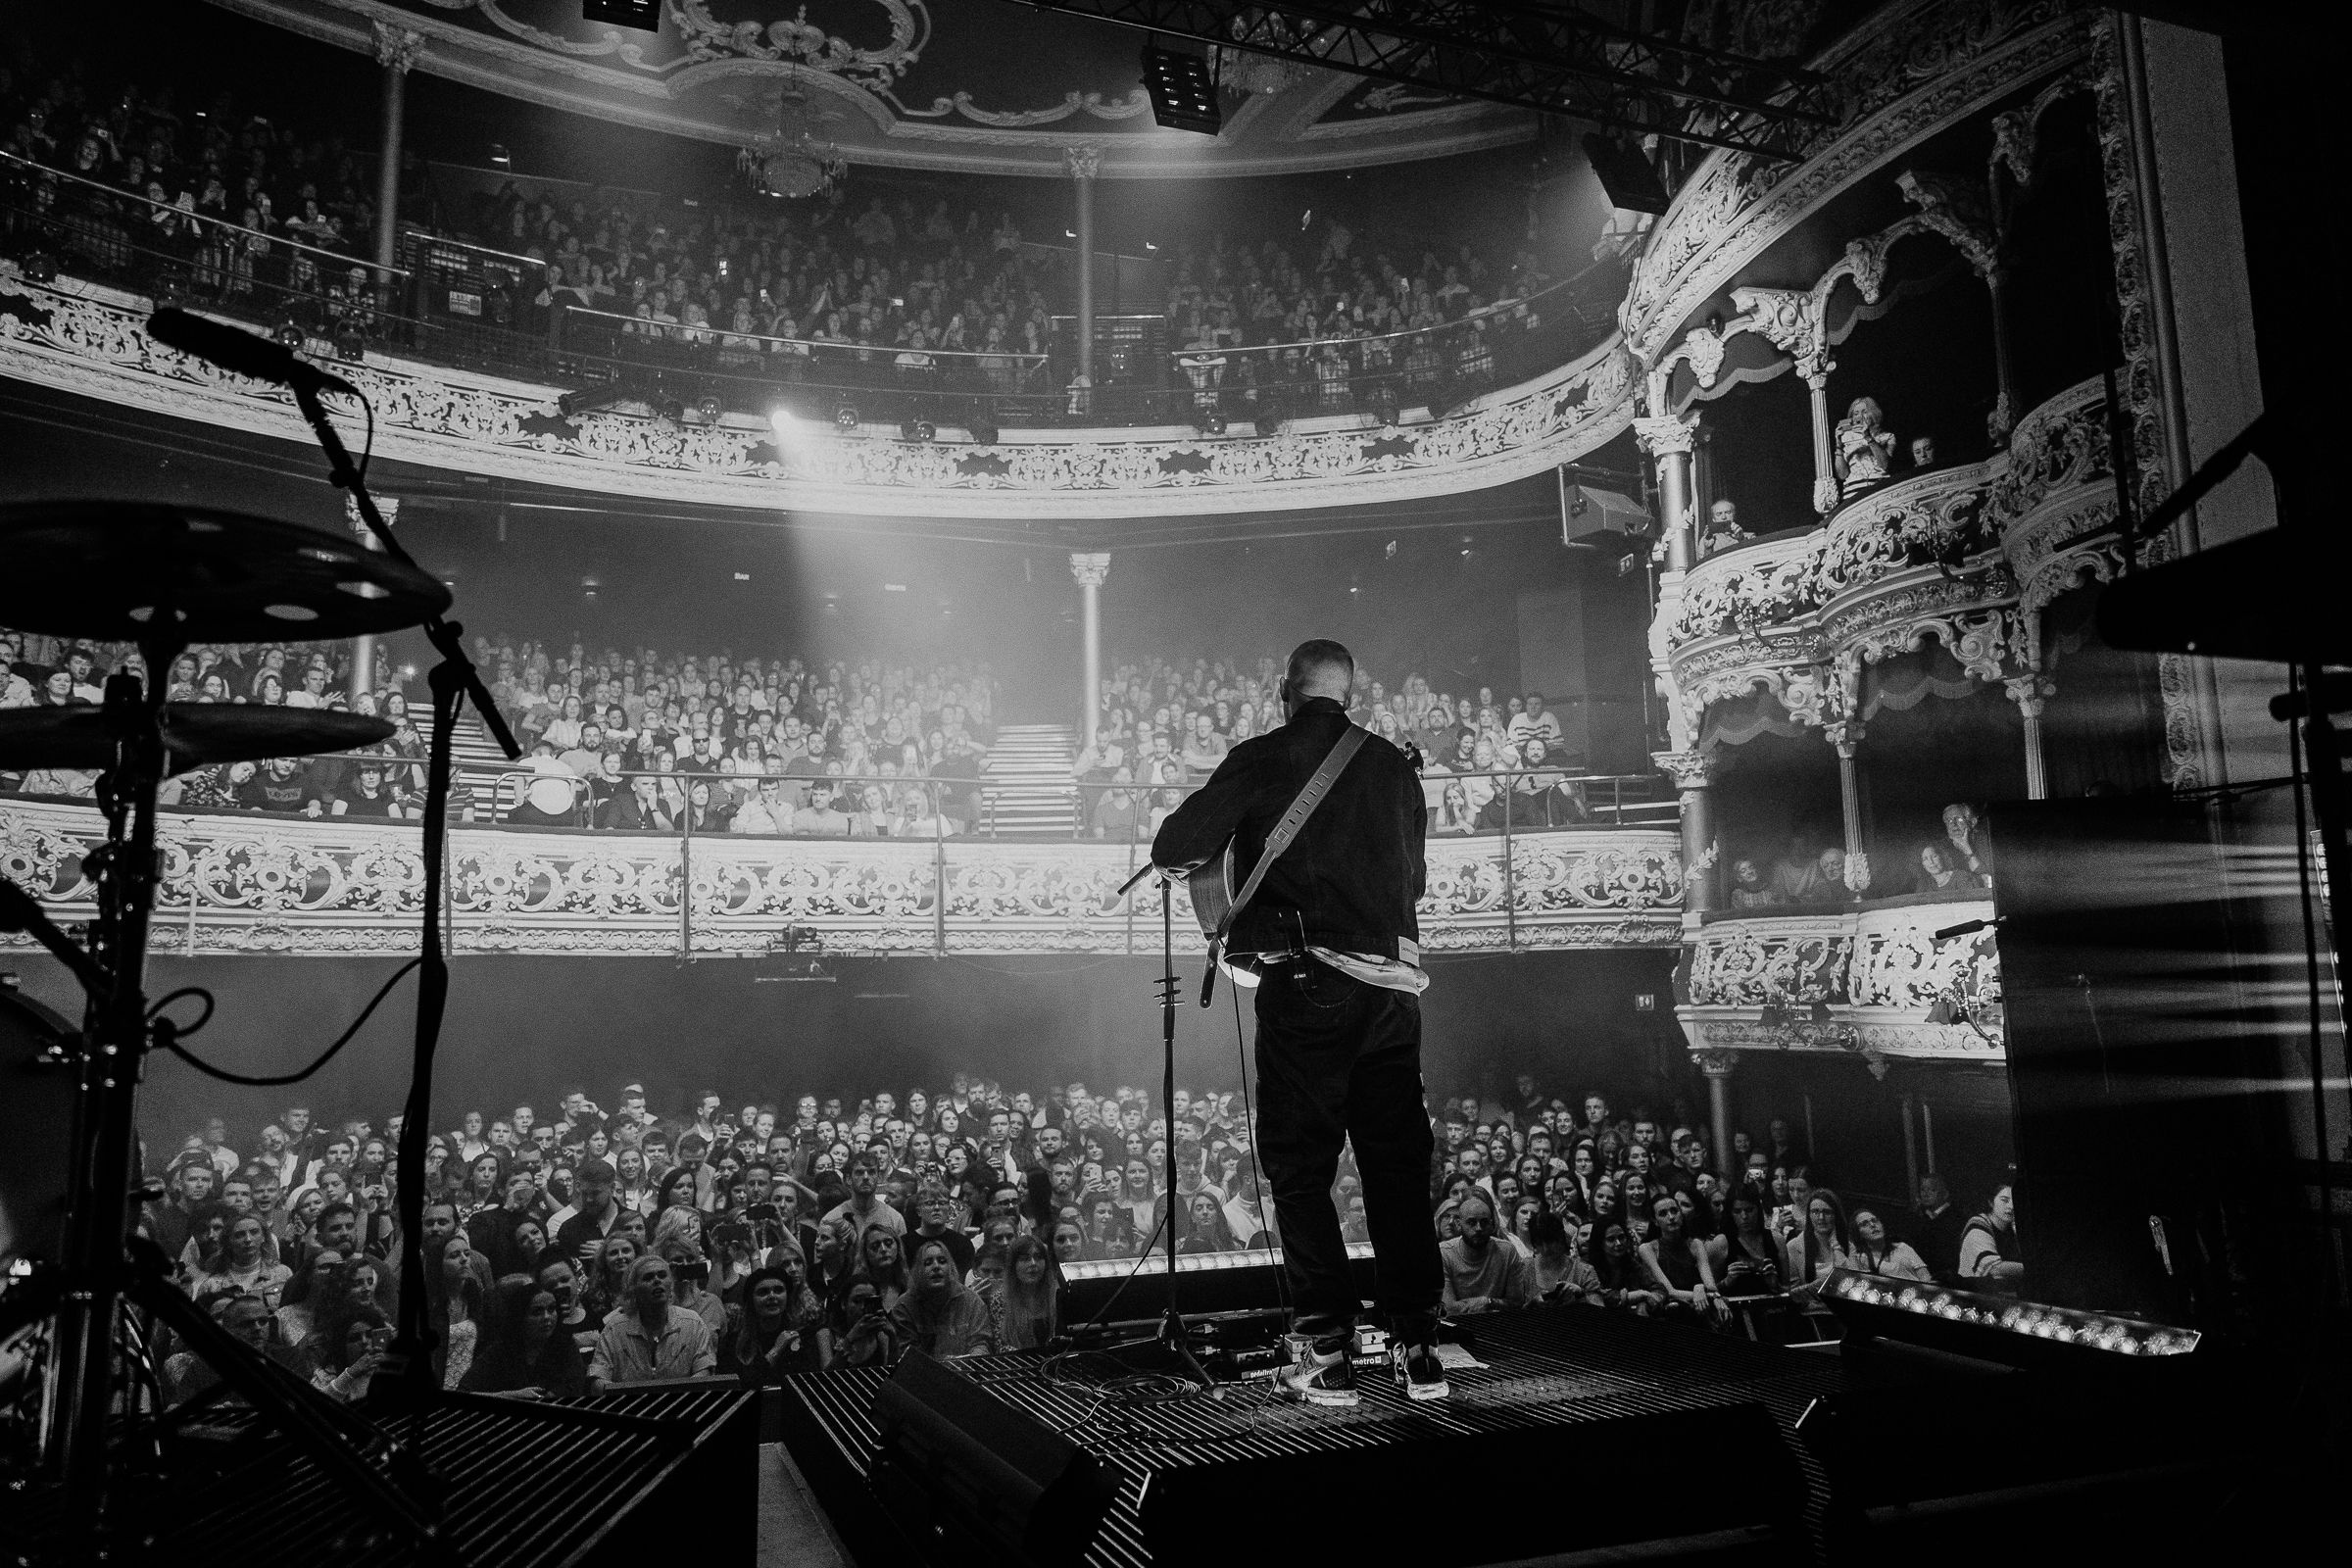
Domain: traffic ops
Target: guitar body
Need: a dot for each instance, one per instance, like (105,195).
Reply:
(1212,889)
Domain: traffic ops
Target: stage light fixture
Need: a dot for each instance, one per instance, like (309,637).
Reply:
(984,432)
(1208,421)
(916,430)
(669,408)
(289,334)
(1383,406)
(500,158)
(1627,176)
(643,15)
(1183,95)
(571,405)
(781,421)
(351,342)
(40,268)
(845,416)
(708,409)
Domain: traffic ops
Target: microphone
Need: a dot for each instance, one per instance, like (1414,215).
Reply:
(1965,927)
(246,353)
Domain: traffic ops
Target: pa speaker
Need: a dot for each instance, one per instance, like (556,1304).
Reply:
(957,1463)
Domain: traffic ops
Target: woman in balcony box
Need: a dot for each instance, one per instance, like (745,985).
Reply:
(1862,450)
(1938,873)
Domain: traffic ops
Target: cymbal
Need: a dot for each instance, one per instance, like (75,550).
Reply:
(195,735)
(114,570)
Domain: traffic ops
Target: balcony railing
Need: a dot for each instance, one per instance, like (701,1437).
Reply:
(249,883)
(1870,980)
(473,305)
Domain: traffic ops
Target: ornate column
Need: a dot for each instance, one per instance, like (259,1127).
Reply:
(1960,214)
(1090,570)
(1718,1065)
(1693,775)
(2030,692)
(1667,438)
(397,50)
(1084,162)
(362,648)
(1846,735)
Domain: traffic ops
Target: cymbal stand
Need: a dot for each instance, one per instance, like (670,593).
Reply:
(102,1265)
(453,679)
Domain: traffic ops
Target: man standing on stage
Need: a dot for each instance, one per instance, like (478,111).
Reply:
(1332,938)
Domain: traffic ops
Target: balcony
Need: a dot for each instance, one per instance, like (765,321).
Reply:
(1870,982)
(1967,556)
(239,883)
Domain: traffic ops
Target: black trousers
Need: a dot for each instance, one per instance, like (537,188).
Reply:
(1341,1060)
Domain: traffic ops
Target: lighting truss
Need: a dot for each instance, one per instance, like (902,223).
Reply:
(1535,54)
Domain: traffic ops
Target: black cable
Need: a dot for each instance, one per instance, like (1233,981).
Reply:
(166,1036)
(183,1030)
(1257,1180)
(367,449)
(1143,1255)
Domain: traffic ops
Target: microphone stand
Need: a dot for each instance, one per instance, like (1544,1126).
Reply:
(453,679)
(1171,1335)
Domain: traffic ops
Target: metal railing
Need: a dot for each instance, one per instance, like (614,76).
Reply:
(1564,801)
(457,302)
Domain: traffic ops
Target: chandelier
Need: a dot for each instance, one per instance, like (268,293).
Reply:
(1245,71)
(793,161)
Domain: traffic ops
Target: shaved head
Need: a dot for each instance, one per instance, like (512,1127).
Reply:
(1321,667)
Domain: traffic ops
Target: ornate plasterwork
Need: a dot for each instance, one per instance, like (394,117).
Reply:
(1890,989)
(245,884)
(1092,105)
(90,340)
(1955,209)
(1967,556)
(397,46)
(1908,71)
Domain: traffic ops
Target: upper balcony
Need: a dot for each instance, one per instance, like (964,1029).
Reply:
(240,883)
(1967,556)
(472,369)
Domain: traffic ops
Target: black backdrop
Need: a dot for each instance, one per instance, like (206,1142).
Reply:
(525,1028)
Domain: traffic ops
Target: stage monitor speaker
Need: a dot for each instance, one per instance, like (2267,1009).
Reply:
(1445,1497)
(956,1460)
(1207,1282)
(2134,1069)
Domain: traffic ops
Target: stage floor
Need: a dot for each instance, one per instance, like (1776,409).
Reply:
(1549,1367)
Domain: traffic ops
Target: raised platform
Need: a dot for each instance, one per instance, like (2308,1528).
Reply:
(1601,1403)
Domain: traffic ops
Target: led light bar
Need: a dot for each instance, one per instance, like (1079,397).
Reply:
(1967,1310)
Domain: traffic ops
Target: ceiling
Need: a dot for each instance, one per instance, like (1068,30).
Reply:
(972,85)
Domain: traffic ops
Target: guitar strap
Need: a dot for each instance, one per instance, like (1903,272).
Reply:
(1285,830)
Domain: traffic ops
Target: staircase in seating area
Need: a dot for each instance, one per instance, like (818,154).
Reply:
(477,763)
(1028,779)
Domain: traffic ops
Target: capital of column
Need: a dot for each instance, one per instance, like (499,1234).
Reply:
(2030,692)
(1690,770)
(396,46)
(389,505)
(1716,1063)
(1844,734)
(1663,435)
(1083,161)
(1090,570)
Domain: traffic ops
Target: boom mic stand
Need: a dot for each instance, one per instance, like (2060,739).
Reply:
(452,681)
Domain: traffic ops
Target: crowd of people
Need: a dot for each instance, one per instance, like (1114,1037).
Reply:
(1958,864)
(644,741)
(217,183)
(1164,726)
(575,1248)
(640,741)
